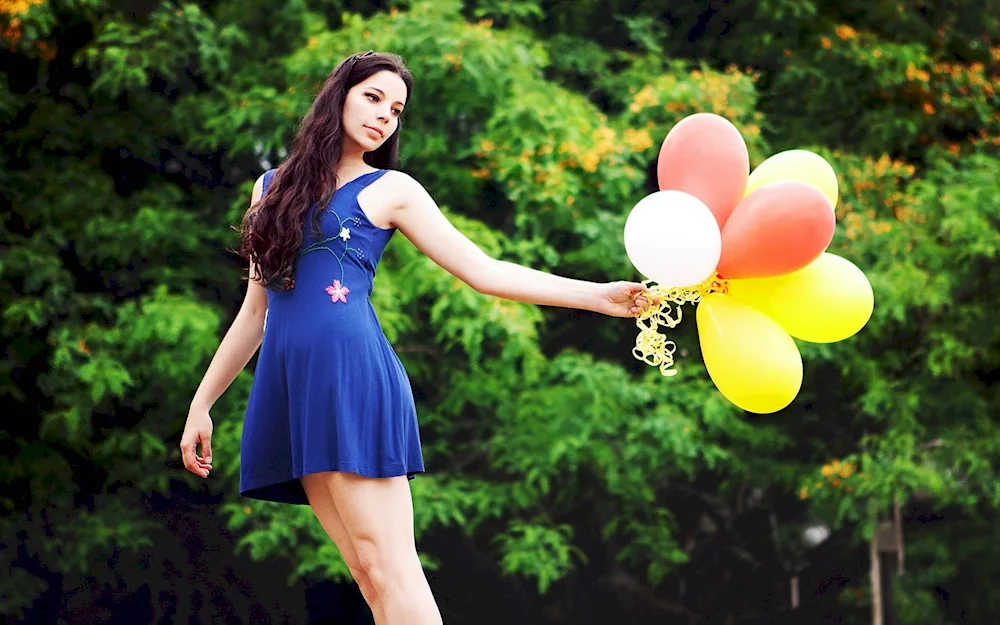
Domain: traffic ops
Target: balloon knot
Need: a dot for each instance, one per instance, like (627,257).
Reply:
(652,346)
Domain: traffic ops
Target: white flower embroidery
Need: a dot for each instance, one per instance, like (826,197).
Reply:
(345,233)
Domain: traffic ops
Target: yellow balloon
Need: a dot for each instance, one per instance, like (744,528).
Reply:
(800,165)
(827,301)
(751,360)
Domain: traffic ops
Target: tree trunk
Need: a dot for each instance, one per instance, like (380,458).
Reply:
(888,579)
(897,520)
(876,579)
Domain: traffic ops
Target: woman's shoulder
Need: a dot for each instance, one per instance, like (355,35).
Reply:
(401,188)
(260,185)
(398,176)
(401,183)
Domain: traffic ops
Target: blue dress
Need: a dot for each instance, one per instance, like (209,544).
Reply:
(329,392)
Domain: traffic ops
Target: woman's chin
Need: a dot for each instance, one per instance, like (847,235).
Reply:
(368,144)
(364,145)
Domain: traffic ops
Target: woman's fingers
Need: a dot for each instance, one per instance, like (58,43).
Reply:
(193,462)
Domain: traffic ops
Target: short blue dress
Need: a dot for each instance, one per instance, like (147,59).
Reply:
(329,392)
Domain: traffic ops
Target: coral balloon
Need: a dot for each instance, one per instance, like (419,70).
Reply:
(801,165)
(672,238)
(705,155)
(777,229)
(751,360)
(829,300)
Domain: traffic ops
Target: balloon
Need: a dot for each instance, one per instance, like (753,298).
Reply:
(829,300)
(706,156)
(751,360)
(777,229)
(671,237)
(801,165)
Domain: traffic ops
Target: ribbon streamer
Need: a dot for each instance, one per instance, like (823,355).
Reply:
(651,346)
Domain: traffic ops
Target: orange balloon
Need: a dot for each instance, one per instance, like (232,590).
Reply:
(705,155)
(779,228)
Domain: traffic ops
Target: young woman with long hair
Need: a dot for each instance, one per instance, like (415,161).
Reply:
(331,421)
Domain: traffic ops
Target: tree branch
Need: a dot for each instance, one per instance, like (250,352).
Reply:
(623,581)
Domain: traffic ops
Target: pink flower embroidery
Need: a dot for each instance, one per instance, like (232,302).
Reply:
(337,292)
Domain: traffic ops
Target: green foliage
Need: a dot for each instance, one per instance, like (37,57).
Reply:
(127,56)
(537,551)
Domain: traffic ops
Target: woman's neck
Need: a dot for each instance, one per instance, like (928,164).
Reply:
(351,166)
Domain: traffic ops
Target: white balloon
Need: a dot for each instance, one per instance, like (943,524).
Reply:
(672,238)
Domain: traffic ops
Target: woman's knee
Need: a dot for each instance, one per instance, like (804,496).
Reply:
(364,582)
(384,568)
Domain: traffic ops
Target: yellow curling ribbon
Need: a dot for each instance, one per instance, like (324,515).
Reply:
(651,346)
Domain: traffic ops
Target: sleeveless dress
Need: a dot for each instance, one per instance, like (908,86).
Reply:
(329,392)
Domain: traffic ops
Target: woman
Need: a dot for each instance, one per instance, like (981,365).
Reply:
(331,420)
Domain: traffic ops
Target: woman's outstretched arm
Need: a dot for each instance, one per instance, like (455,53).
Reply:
(418,217)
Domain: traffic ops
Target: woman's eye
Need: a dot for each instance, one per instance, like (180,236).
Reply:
(397,112)
(372,96)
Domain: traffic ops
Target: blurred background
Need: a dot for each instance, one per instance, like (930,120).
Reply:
(568,482)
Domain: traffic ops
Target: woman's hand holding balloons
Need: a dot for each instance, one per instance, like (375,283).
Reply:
(749,249)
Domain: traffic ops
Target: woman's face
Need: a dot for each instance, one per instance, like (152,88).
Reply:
(372,109)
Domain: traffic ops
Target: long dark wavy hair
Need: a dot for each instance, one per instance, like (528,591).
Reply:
(272,229)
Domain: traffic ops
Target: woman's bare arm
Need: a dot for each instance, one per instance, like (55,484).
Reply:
(236,349)
(241,341)
(418,217)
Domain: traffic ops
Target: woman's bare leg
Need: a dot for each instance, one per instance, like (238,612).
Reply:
(321,502)
(377,514)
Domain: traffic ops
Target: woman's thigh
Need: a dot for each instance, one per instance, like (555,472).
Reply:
(321,502)
(377,516)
